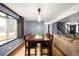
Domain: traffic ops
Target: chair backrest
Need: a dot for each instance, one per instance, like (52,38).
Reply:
(26,37)
(51,37)
(48,35)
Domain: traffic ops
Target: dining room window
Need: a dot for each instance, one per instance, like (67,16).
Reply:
(8,27)
(3,29)
(12,28)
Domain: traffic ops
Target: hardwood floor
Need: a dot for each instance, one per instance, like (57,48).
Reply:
(21,49)
(57,52)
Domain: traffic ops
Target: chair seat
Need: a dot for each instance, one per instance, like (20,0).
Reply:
(45,44)
(32,44)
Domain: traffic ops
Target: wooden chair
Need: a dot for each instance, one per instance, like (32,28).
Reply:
(51,38)
(25,45)
(45,46)
(27,36)
(30,45)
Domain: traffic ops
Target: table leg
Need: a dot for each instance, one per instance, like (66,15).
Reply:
(28,51)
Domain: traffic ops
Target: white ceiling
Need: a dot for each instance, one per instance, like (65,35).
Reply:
(72,18)
(49,11)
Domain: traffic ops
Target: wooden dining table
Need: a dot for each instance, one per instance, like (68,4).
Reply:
(40,40)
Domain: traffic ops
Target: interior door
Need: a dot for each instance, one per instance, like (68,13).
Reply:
(72,29)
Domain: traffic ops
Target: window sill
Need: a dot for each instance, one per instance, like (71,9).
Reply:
(13,49)
(6,41)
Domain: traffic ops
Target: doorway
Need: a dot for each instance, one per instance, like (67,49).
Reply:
(72,29)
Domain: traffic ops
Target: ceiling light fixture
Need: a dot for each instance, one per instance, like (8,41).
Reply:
(39,16)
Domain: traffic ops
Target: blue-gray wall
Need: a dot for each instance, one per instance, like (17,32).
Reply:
(61,28)
(54,28)
(33,27)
